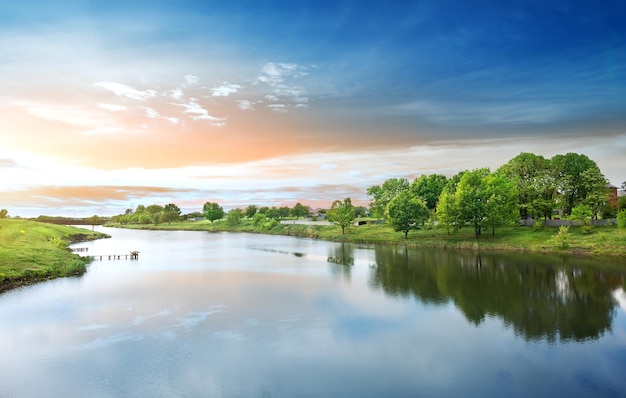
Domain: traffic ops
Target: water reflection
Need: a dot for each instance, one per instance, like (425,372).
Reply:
(541,298)
(341,259)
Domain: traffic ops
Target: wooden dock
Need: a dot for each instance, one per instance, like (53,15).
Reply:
(133,255)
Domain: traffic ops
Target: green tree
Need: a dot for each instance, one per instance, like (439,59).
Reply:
(429,188)
(341,213)
(360,211)
(407,212)
(621,219)
(569,169)
(582,214)
(532,177)
(212,211)
(502,208)
(4,213)
(472,197)
(597,192)
(299,210)
(234,217)
(250,211)
(171,212)
(447,213)
(382,195)
(258,219)
(93,221)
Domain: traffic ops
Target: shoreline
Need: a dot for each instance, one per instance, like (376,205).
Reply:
(603,241)
(33,252)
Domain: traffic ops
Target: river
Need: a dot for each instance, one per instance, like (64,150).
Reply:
(245,315)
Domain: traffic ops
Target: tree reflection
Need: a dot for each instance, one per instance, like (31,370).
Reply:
(540,297)
(341,258)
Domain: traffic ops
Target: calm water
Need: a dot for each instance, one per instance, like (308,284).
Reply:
(239,315)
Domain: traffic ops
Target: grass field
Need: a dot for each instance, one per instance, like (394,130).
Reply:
(600,241)
(33,251)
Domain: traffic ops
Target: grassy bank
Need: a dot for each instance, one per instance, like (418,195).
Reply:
(601,241)
(33,251)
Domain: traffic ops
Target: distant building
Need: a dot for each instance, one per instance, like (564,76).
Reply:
(612,190)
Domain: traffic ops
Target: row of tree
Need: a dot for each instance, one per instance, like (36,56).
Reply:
(528,186)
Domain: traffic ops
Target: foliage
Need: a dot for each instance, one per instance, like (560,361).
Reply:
(382,195)
(621,219)
(212,211)
(501,202)
(582,214)
(234,217)
(406,212)
(538,226)
(447,211)
(300,210)
(562,237)
(360,211)
(4,213)
(341,213)
(93,221)
(578,179)
(258,219)
(471,199)
(171,212)
(429,188)
(533,180)
(250,211)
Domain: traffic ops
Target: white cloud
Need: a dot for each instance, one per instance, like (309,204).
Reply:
(278,107)
(225,90)
(245,105)
(73,115)
(197,112)
(122,90)
(191,79)
(281,77)
(151,113)
(112,107)
(177,93)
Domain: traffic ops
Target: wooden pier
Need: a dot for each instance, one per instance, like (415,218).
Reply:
(133,255)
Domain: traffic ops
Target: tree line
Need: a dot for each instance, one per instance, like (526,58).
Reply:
(528,186)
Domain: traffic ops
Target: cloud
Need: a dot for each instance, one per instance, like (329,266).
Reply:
(191,79)
(176,93)
(74,115)
(112,107)
(7,163)
(245,105)
(122,90)
(197,112)
(225,90)
(151,113)
(281,79)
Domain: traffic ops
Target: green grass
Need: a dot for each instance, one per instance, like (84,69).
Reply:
(601,241)
(33,251)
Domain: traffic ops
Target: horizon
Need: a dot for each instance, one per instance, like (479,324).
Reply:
(106,105)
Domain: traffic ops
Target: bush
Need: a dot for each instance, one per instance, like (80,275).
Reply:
(562,237)
(258,219)
(621,219)
(538,226)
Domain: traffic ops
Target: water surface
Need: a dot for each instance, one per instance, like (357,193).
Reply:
(242,315)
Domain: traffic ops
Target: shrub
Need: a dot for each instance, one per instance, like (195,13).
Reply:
(562,237)
(258,219)
(621,219)
(538,226)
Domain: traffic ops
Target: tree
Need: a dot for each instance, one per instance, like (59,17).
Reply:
(234,217)
(447,213)
(360,211)
(429,188)
(597,193)
(93,221)
(502,204)
(471,199)
(250,211)
(569,169)
(341,213)
(171,212)
(299,210)
(212,211)
(382,195)
(582,214)
(407,212)
(4,213)
(529,173)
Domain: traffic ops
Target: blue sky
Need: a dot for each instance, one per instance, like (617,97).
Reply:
(272,102)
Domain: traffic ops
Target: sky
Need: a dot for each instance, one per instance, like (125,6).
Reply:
(106,105)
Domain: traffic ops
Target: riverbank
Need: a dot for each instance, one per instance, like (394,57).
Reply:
(33,251)
(600,241)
